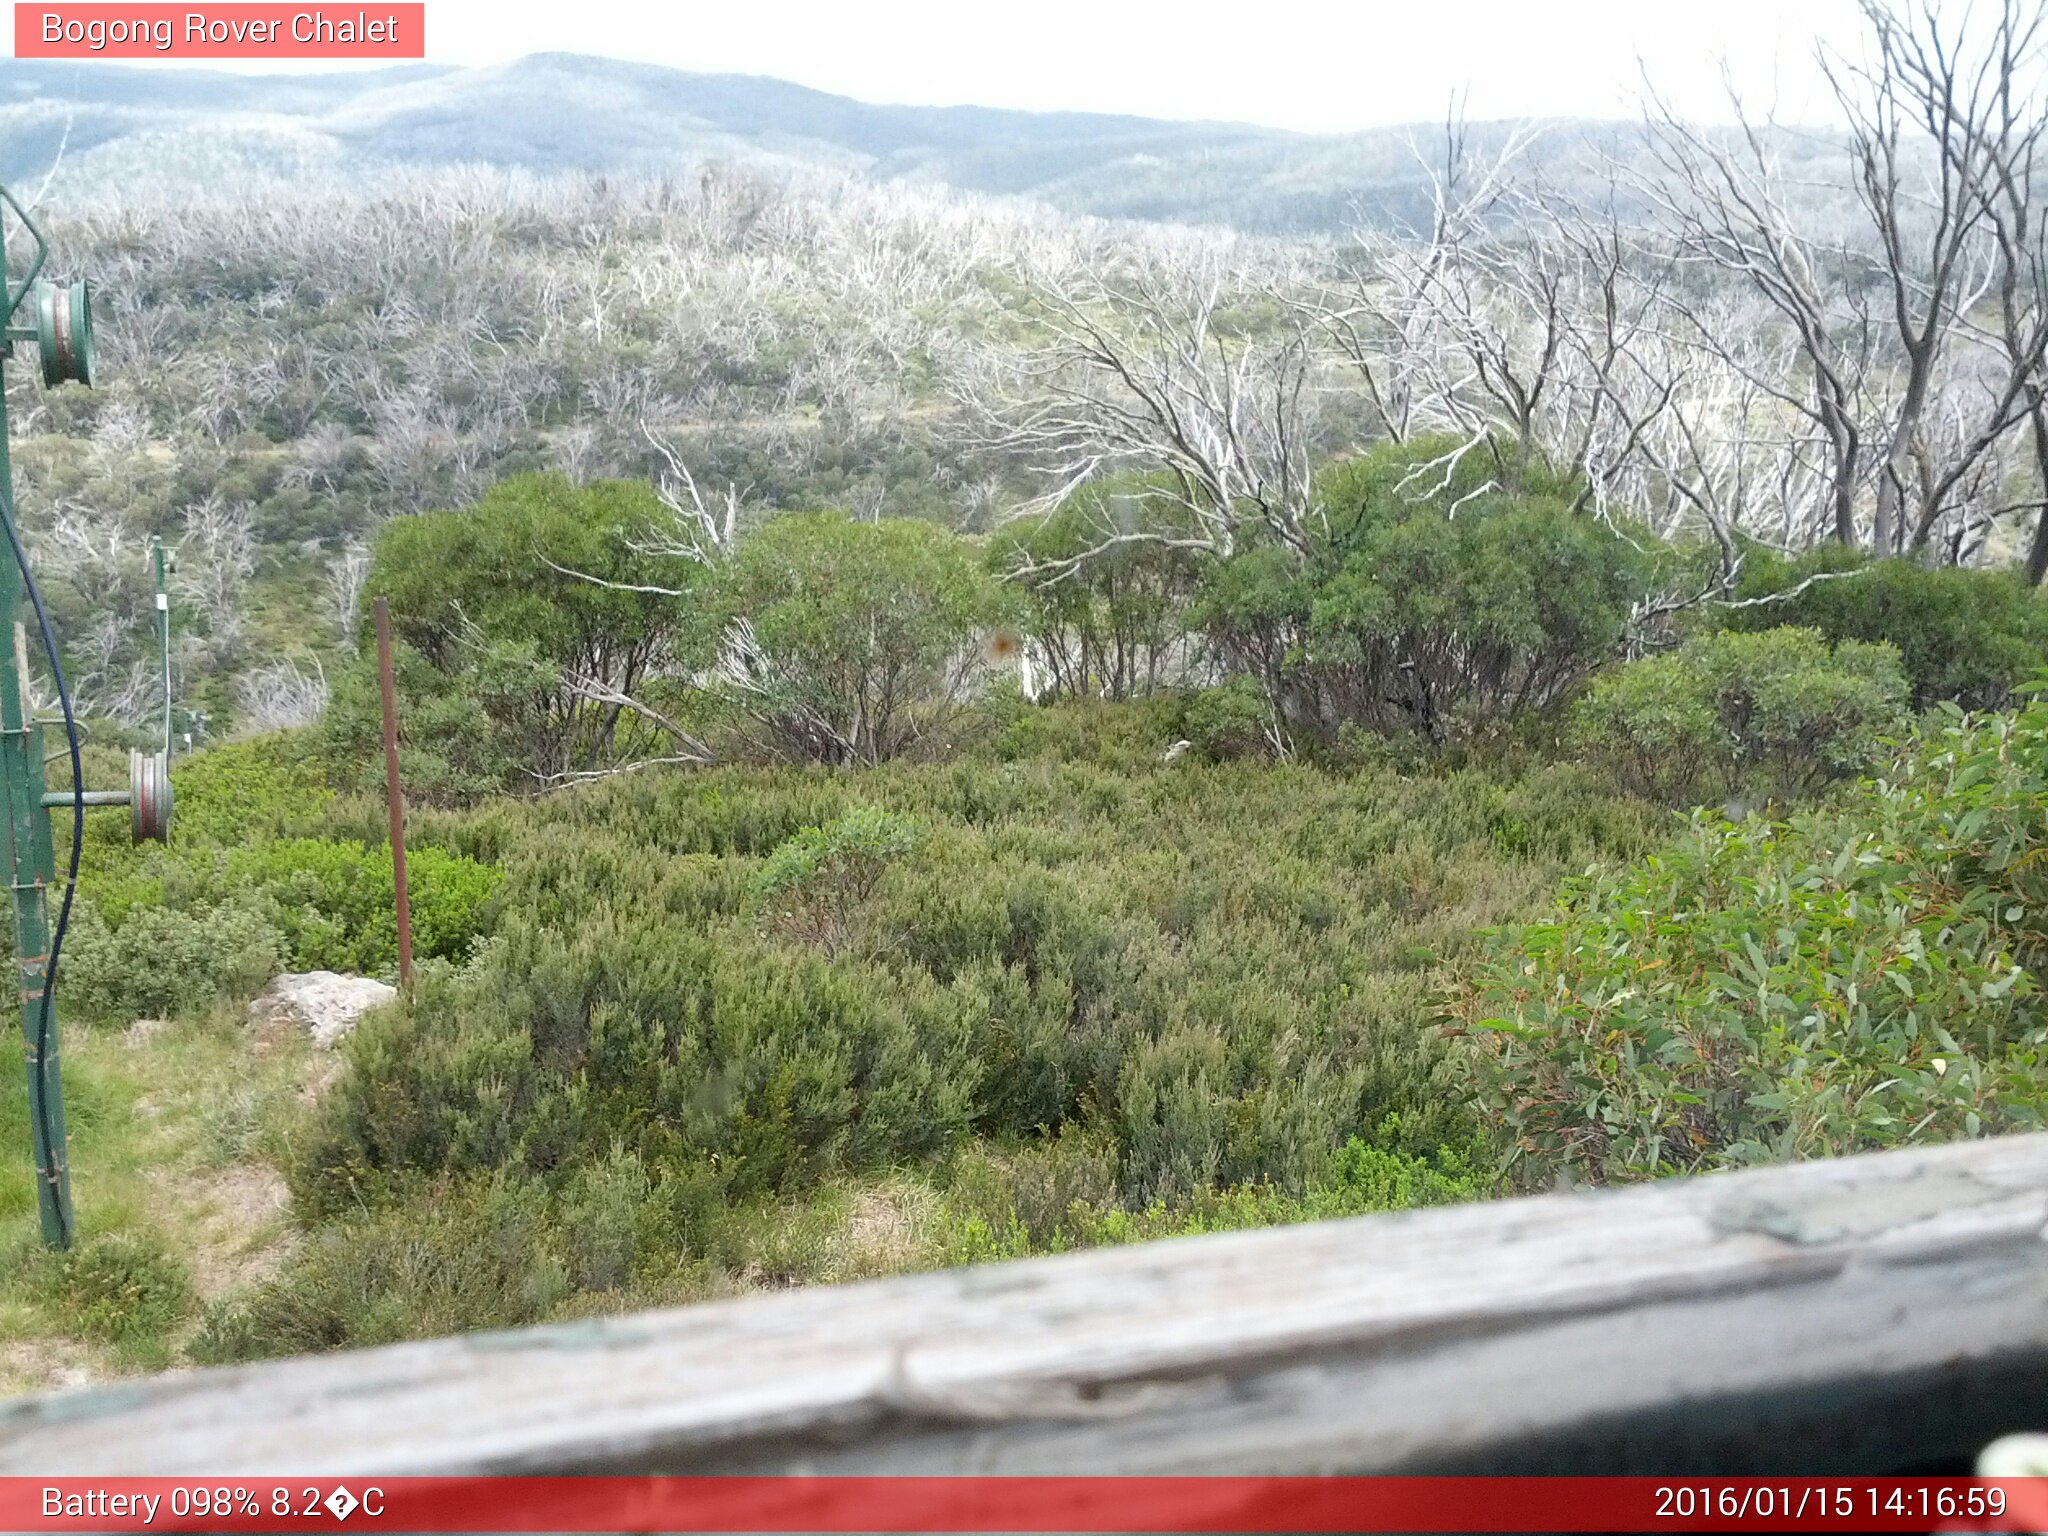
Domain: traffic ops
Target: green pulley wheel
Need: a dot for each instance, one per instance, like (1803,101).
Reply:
(64,331)
(149,797)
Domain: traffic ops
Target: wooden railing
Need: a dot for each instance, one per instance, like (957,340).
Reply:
(1879,1313)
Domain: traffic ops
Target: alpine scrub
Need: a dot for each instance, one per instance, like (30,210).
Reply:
(1850,978)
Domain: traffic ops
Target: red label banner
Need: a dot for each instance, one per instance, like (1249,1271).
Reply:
(981,1504)
(223,31)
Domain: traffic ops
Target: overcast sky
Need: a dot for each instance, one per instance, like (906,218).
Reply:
(1319,67)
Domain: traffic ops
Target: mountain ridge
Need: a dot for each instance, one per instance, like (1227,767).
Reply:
(136,133)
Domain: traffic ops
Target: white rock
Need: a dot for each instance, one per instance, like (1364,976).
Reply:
(325,1002)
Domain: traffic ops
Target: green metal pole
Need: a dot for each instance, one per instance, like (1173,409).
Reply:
(31,868)
(163,634)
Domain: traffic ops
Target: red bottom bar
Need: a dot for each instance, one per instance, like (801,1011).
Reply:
(979,1504)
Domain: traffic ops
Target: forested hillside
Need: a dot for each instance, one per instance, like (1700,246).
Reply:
(942,726)
(114,134)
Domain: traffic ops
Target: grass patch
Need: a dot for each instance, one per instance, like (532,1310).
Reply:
(176,1131)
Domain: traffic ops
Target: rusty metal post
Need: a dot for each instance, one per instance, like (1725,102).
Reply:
(395,796)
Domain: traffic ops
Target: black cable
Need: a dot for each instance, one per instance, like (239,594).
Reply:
(35,598)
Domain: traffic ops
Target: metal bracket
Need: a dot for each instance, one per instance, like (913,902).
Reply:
(148,792)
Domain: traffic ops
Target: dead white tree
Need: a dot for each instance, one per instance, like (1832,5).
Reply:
(699,532)
(1724,203)
(1905,323)
(1425,334)
(1552,326)
(1711,445)
(280,696)
(346,574)
(1174,367)
(2010,130)
(216,558)
(1922,109)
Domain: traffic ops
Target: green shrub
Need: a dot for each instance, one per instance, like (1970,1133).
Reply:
(183,926)
(270,786)
(1052,1191)
(602,1214)
(445,1259)
(1229,721)
(164,964)
(1849,979)
(816,887)
(1118,737)
(1106,589)
(1437,598)
(334,902)
(855,642)
(1968,636)
(1059,1194)
(245,791)
(1218,970)
(529,611)
(776,1065)
(1378,1176)
(121,1287)
(1773,715)
(450,752)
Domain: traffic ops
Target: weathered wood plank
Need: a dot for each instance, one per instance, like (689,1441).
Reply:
(1863,1314)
